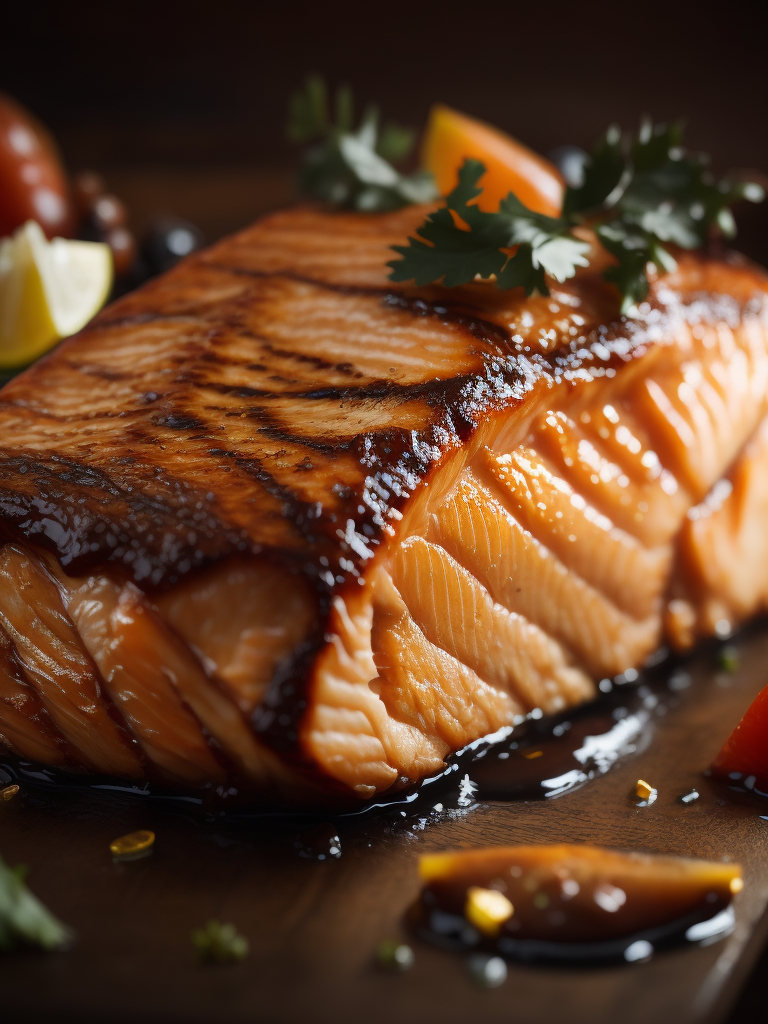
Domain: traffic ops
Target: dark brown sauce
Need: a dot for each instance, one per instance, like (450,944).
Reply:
(453,932)
(542,759)
(568,751)
(572,749)
(739,782)
(570,901)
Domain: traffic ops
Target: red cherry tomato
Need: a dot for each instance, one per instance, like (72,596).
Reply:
(746,749)
(33,185)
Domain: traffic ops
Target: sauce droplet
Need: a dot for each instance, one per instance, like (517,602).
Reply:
(319,843)
(395,956)
(644,794)
(487,971)
(688,798)
(9,792)
(133,846)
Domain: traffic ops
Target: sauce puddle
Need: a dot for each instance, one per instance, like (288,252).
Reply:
(565,902)
(451,932)
(539,758)
(542,759)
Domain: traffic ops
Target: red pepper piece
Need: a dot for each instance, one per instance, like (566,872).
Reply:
(746,750)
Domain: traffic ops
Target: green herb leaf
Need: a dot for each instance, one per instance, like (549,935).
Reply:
(220,943)
(23,918)
(728,658)
(457,249)
(640,196)
(654,145)
(602,174)
(349,168)
(308,112)
(453,253)
(395,956)
(395,142)
(633,253)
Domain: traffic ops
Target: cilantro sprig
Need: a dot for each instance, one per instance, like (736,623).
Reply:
(23,918)
(640,195)
(347,167)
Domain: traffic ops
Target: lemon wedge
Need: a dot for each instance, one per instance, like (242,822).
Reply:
(48,290)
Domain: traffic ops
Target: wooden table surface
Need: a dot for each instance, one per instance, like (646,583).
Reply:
(314,925)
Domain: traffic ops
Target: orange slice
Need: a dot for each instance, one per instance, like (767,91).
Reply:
(450,137)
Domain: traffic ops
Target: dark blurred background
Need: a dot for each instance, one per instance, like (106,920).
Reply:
(181,106)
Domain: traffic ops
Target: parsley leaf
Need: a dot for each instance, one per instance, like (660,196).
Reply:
(603,173)
(664,197)
(445,250)
(220,943)
(632,250)
(459,242)
(638,194)
(350,168)
(308,112)
(23,918)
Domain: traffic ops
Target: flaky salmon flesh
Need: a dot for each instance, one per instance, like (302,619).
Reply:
(274,523)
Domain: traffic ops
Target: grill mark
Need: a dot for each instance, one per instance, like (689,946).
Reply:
(180,421)
(371,291)
(100,372)
(310,360)
(377,390)
(300,512)
(277,433)
(46,414)
(136,319)
(489,333)
(236,390)
(215,357)
(460,315)
(218,358)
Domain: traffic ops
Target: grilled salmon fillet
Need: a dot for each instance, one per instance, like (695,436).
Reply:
(272,522)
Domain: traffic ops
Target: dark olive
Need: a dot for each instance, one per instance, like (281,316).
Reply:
(108,212)
(123,246)
(87,187)
(168,241)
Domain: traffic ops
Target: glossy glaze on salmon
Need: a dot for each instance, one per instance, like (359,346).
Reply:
(272,522)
